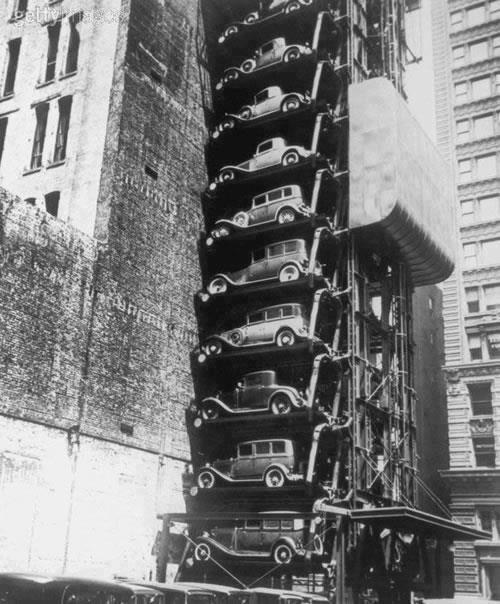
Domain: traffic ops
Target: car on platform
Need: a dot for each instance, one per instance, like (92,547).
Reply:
(270,153)
(257,391)
(283,325)
(280,536)
(283,261)
(267,101)
(274,7)
(179,593)
(281,205)
(272,462)
(265,595)
(271,53)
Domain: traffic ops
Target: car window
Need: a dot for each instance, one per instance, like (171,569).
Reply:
(271,525)
(274,195)
(273,313)
(291,246)
(287,311)
(279,447)
(256,317)
(252,524)
(267,47)
(287,525)
(245,450)
(259,200)
(259,255)
(253,380)
(287,192)
(262,448)
(267,146)
(262,96)
(275,250)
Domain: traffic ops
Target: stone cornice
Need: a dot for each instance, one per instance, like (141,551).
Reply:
(477,106)
(480,187)
(476,147)
(478,368)
(486,67)
(472,231)
(472,33)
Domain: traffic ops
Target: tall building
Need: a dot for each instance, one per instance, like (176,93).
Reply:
(102,133)
(467,74)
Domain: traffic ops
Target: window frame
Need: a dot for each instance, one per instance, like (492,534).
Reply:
(41,116)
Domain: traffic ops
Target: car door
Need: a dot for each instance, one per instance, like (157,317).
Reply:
(243,465)
(265,155)
(275,260)
(262,102)
(258,269)
(251,395)
(267,54)
(258,213)
(262,457)
(256,326)
(271,324)
(270,532)
(249,537)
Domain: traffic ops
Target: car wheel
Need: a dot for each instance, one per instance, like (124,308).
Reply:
(282,553)
(289,273)
(217,286)
(226,175)
(286,215)
(292,103)
(318,545)
(210,411)
(241,219)
(290,158)
(292,54)
(248,66)
(206,479)
(213,347)
(281,404)
(230,75)
(274,478)
(292,6)
(285,337)
(245,113)
(202,552)
(250,18)
(227,123)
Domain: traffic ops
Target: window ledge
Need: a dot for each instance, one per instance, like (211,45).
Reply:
(55,164)
(43,84)
(28,171)
(7,97)
(64,76)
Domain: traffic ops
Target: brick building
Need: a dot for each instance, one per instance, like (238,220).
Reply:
(101,113)
(467,67)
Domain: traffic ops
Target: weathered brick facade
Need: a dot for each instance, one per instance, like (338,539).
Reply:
(96,331)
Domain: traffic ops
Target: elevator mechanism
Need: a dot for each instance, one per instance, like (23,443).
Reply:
(302,429)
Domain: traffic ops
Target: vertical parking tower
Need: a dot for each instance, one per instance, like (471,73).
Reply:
(303,426)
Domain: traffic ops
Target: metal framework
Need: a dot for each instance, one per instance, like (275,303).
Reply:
(355,431)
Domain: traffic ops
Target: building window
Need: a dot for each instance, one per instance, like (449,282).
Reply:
(3,132)
(489,208)
(470,255)
(480,398)
(458,56)
(490,252)
(457,20)
(484,449)
(493,345)
(464,171)
(492,297)
(476,15)
(475,350)
(461,92)
(62,128)
(73,44)
(467,208)
(494,9)
(478,51)
(52,203)
(19,9)
(41,111)
(484,126)
(496,46)
(486,166)
(497,83)
(472,299)
(463,131)
(13,48)
(481,88)
(53,32)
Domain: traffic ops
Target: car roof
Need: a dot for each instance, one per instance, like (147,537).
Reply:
(294,304)
(259,372)
(179,587)
(63,580)
(276,189)
(271,591)
(213,586)
(266,440)
(287,241)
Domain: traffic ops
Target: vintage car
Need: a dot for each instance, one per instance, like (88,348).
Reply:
(269,100)
(278,205)
(279,535)
(256,392)
(283,261)
(282,324)
(269,153)
(265,595)
(272,52)
(272,462)
(275,7)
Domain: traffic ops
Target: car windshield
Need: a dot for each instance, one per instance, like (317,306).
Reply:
(262,96)
(267,146)
(267,47)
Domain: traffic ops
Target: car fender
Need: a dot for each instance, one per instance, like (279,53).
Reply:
(286,471)
(288,541)
(227,222)
(301,209)
(218,402)
(226,278)
(304,100)
(296,400)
